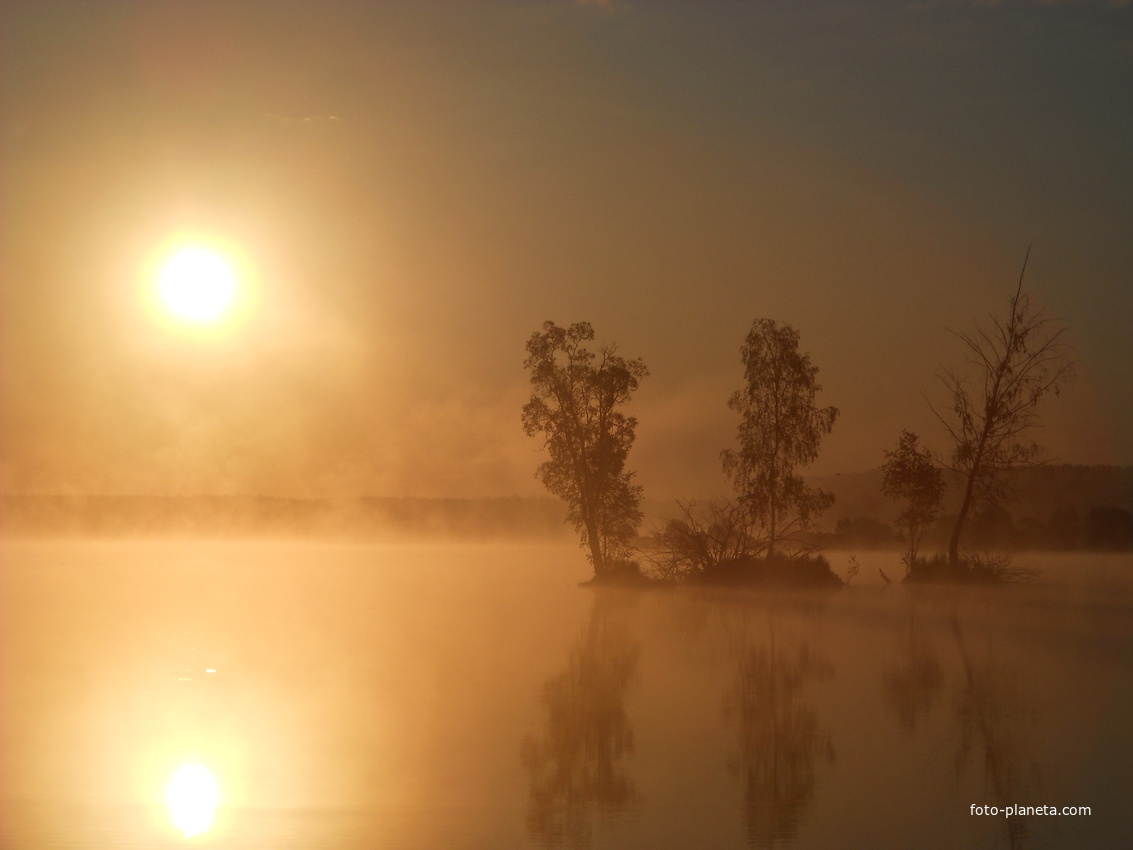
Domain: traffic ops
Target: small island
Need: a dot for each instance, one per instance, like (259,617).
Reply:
(766,533)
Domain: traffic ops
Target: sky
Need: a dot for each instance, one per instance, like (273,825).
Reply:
(408,190)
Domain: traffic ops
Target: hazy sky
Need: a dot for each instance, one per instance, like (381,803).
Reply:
(411,189)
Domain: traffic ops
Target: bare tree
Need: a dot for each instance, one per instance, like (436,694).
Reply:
(702,540)
(779,433)
(1017,361)
(912,476)
(576,406)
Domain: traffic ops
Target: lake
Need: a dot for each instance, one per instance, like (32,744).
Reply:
(474,695)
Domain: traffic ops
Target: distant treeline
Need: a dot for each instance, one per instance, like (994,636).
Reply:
(1055,507)
(235,516)
(1058,507)
(993,528)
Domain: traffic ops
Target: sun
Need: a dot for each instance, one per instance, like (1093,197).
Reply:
(197,285)
(192,797)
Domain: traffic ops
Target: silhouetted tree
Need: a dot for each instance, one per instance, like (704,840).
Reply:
(911,476)
(1017,361)
(779,433)
(576,407)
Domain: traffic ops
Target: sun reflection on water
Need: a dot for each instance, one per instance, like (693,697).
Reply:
(192,796)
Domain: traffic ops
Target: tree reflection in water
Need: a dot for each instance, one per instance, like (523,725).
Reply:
(575,767)
(995,718)
(993,712)
(780,738)
(913,684)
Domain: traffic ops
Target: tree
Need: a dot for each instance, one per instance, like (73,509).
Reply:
(779,433)
(912,476)
(1017,361)
(576,407)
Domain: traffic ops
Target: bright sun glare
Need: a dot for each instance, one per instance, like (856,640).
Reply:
(192,797)
(197,285)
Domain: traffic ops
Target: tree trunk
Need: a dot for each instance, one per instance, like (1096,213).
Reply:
(915,533)
(595,546)
(974,472)
(965,506)
(771,531)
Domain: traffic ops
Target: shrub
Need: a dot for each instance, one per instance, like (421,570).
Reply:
(704,537)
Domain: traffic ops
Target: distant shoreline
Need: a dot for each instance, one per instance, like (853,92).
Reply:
(1056,508)
(239,516)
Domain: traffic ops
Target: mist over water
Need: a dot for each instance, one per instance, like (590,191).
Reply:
(473,695)
(327,334)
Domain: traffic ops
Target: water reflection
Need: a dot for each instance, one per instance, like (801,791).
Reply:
(994,712)
(994,718)
(192,796)
(332,720)
(913,683)
(576,766)
(781,739)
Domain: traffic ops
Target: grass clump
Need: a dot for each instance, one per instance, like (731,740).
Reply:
(978,569)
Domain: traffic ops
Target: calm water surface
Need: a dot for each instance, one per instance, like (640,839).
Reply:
(474,696)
